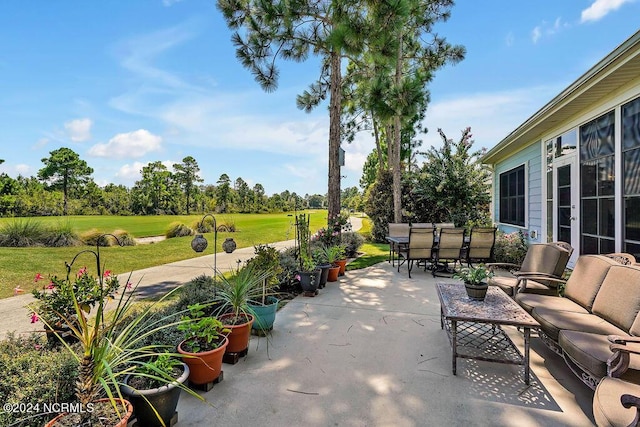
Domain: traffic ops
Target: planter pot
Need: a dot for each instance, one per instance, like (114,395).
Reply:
(324,273)
(163,399)
(64,332)
(239,335)
(334,272)
(229,245)
(309,280)
(264,315)
(343,266)
(204,367)
(59,420)
(476,292)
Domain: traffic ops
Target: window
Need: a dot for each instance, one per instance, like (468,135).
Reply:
(631,175)
(597,180)
(512,203)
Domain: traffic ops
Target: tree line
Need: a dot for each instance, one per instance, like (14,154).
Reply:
(64,186)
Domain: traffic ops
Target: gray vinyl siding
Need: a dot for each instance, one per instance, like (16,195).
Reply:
(531,157)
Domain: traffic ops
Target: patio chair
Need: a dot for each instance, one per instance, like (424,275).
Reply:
(449,249)
(616,402)
(440,225)
(481,244)
(543,260)
(418,249)
(396,229)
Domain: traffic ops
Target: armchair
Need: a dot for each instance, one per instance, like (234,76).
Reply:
(542,261)
(616,401)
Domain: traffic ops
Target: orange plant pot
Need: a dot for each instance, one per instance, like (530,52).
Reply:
(334,271)
(343,265)
(204,367)
(239,335)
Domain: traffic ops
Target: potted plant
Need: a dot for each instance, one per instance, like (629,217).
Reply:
(331,254)
(341,261)
(203,346)
(264,307)
(474,279)
(55,301)
(233,294)
(309,274)
(153,390)
(110,347)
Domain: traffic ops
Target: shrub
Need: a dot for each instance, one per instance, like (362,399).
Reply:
(511,247)
(267,259)
(227,225)
(200,290)
(351,242)
(95,237)
(289,264)
(178,229)
(125,238)
(30,375)
(379,205)
(204,226)
(22,232)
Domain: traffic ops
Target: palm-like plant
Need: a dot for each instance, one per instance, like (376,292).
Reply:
(235,292)
(331,254)
(113,343)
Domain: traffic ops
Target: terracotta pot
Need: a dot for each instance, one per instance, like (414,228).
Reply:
(204,367)
(334,271)
(239,335)
(122,423)
(343,266)
(163,400)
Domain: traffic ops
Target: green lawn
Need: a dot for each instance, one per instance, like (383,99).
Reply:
(18,266)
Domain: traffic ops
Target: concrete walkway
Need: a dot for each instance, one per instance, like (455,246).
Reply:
(369,351)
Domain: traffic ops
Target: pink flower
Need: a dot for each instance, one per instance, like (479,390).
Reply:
(129,285)
(51,285)
(82,271)
(37,347)
(297,277)
(34,318)
(106,274)
(38,277)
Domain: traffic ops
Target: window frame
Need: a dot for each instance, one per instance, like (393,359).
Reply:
(508,220)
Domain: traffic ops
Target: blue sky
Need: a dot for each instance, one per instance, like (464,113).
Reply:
(125,83)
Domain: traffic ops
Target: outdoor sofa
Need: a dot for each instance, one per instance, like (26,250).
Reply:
(602,298)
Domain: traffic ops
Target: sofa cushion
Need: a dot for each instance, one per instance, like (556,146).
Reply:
(587,277)
(591,351)
(553,321)
(530,301)
(506,283)
(618,300)
(607,409)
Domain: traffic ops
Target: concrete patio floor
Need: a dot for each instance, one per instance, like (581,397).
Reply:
(369,351)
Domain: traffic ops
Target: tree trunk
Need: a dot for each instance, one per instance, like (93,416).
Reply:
(333,193)
(397,128)
(376,135)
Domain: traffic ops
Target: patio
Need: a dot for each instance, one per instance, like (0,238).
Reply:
(369,351)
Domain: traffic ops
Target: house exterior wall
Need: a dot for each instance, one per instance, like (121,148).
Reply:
(529,156)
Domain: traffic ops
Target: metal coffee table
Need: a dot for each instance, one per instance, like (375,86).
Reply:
(474,327)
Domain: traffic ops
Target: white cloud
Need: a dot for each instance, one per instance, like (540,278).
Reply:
(600,8)
(130,173)
(79,130)
(547,29)
(128,145)
(492,116)
(23,169)
(510,39)
(536,34)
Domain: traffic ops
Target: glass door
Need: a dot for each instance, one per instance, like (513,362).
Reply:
(566,227)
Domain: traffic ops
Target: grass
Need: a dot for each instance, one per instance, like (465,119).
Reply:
(373,254)
(18,266)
